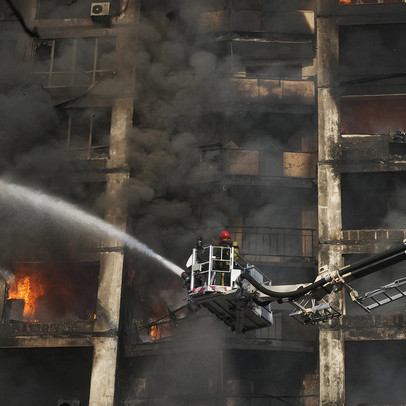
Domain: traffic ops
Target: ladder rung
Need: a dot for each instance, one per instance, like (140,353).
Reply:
(389,295)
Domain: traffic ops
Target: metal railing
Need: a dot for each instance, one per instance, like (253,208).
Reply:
(212,266)
(268,243)
(216,159)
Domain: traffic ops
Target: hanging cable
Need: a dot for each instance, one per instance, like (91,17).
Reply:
(31,32)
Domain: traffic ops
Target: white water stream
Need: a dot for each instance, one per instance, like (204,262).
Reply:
(23,196)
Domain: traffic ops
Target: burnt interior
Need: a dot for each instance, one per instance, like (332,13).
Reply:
(384,63)
(49,293)
(373,114)
(234,376)
(45,376)
(381,192)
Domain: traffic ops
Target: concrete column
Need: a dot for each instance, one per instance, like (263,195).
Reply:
(131,13)
(102,383)
(331,338)
(331,341)
(3,295)
(103,379)
(332,373)
(329,205)
(102,387)
(29,12)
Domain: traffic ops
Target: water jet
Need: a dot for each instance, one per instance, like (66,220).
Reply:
(24,196)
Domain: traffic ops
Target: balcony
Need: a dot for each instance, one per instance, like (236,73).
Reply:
(233,166)
(275,91)
(374,240)
(274,244)
(287,22)
(372,130)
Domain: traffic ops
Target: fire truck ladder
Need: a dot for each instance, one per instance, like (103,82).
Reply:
(385,294)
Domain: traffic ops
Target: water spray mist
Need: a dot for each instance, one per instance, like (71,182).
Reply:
(23,196)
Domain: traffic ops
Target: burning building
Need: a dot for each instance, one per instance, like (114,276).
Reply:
(280,121)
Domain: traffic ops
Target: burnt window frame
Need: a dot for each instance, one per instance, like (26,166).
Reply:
(72,70)
(90,148)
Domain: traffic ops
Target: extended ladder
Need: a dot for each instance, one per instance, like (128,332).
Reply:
(385,294)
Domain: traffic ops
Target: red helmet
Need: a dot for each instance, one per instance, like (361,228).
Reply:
(224,236)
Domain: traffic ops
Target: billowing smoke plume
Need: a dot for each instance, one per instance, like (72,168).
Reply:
(187,115)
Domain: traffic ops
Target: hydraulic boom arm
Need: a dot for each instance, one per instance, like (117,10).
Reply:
(307,299)
(241,295)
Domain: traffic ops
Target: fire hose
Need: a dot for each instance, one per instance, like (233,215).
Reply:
(294,294)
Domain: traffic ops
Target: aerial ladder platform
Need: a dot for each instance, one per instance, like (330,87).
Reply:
(240,295)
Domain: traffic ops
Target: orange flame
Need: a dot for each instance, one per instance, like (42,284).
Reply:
(28,288)
(156,332)
(54,292)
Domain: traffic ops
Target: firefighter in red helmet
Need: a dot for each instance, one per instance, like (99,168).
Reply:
(225,241)
(224,236)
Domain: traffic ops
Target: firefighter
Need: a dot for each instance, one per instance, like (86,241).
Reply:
(225,241)
(200,257)
(200,250)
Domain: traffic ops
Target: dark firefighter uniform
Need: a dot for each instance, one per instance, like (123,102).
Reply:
(225,241)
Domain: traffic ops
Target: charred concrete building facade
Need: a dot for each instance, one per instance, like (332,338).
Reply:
(281,121)
(358,80)
(75,348)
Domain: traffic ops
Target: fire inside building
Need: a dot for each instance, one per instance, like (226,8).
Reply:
(281,122)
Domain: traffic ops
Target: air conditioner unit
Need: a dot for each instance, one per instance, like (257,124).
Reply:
(100,9)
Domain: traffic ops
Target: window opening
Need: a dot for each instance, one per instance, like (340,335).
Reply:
(73,62)
(88,132)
